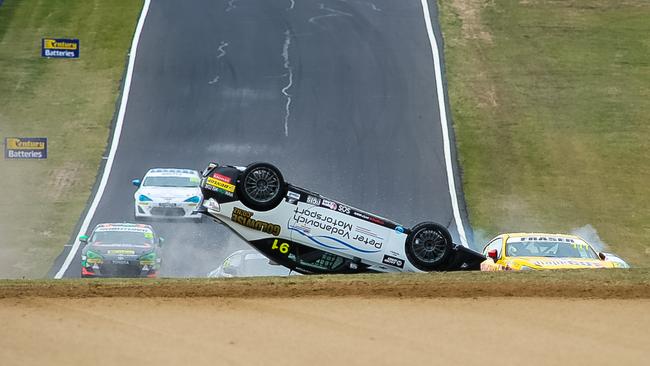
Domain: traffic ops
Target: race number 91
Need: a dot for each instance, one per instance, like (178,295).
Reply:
(281,247)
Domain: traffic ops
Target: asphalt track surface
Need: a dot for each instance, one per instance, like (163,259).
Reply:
(339,94)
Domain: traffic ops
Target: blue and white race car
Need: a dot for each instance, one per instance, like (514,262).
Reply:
(309,233)
(168,193)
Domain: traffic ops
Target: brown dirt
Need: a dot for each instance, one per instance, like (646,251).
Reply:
(322,331)
(604,284)
(469,12)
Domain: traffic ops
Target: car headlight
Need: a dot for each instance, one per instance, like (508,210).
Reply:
(144,198)
(148,259)
(93,257)
(193,199)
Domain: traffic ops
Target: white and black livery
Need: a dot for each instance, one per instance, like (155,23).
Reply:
(309,233)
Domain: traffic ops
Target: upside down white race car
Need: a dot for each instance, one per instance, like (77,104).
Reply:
(310,233)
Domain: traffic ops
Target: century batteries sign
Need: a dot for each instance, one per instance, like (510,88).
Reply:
(25,148)
(60,47)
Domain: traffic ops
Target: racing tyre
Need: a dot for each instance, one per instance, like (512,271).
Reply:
(261,187)
(428,246)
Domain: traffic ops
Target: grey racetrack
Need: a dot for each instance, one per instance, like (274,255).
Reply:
(339,94)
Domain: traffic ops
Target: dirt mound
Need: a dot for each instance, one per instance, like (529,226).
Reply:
(605,284)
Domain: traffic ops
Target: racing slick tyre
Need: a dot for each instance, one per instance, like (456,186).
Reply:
(428,246)
(261,187)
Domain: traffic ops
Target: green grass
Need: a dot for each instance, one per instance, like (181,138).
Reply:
(550,101)
(71,102)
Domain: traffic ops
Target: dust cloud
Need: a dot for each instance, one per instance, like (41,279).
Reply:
(590,234)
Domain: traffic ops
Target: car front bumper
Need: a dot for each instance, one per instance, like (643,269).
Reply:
(118,270)
(173,210)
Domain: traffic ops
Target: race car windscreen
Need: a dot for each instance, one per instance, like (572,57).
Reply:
(122,237)
(171,182)
(535,248)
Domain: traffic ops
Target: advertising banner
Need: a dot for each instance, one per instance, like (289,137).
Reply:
(25,148)
(60,48)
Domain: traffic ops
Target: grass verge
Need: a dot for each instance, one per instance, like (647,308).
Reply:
(551,102)
(603,284)
(71,102)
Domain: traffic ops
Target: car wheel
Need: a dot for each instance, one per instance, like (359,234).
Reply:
(428,246)
(261,187)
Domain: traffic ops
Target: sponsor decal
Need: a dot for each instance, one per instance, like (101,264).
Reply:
(122,228)
(245,218)
(221,177)
(543,238)
(344,209)
(121,251)
(564,262)
(392,261)
(60,48)
(220,184)
(313,219)
(293,197)
(103,245)
(219,190)
(329,204)
(360,215)
(25,148)
(313,200)
(373,219)
(317,220)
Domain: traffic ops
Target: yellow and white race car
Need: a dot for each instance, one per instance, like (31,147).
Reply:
(526,251)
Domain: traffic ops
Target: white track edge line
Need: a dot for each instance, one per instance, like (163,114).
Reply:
(116,139)
(451,181)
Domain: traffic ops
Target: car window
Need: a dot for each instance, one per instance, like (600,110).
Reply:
(171,182)
(494,244)
(322,260)
(122,237)
(546,248)
(233,260)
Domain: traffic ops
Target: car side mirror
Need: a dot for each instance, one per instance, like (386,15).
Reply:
(231,270)
(83,239)
(602,256)
(136,182)
(492,253)
(161,240)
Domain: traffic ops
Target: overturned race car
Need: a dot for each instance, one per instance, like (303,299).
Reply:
(309,233)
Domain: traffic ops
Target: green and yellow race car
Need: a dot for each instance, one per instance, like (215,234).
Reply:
(121,250)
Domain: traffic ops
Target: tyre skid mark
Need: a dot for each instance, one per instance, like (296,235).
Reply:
(221,52)
(289,74)
(331,13)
